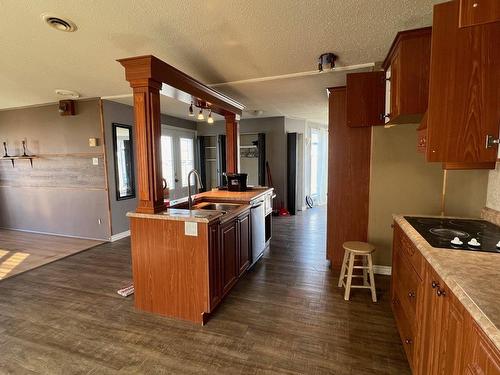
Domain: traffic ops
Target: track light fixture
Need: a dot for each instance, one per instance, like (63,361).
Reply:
(191,110)
(200,115)
(210,119)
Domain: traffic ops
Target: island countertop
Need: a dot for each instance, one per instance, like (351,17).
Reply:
(473,277)
(207,216)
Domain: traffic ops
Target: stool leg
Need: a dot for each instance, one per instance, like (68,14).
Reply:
(365,271)
(372,278)
(344,266)
(349,276)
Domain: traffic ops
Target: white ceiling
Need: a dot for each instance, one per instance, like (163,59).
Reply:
(212,40)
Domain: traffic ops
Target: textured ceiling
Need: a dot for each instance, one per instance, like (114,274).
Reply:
(213,40)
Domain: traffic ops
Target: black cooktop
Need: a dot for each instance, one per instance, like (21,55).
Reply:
(440,232)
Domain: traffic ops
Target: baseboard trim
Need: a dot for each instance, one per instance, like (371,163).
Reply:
(382,270)
(56,234)
(119,236)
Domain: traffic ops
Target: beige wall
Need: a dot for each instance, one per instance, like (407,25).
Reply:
(403,182)
(493,199)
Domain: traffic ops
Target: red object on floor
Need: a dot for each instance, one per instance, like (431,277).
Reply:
(283,212)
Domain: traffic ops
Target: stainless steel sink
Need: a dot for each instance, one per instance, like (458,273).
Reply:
(216,206)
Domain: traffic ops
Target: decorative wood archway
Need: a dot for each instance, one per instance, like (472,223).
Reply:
(147,76)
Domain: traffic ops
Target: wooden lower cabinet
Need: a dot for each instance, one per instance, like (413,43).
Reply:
(244,242)
(439,336)
(229,254)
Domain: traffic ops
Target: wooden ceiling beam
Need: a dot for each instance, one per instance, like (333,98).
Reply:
(150,67)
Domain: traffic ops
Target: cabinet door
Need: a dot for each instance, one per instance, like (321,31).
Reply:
(481,357)
(229,251)
(214,266)
(477,12)
(464,89)
(451,345)
(244,248)
(429,314)
(365,99)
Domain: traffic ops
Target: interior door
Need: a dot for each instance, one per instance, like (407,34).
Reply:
(178,158)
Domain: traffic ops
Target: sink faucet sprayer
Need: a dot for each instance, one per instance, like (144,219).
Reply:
(197,183)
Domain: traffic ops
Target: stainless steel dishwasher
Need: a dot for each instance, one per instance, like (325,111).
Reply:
(257,215)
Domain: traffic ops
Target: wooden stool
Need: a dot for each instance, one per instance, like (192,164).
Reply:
(351,250)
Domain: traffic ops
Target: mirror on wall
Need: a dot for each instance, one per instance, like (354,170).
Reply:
(124,161)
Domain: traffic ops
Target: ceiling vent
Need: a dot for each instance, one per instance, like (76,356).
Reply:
(59,23)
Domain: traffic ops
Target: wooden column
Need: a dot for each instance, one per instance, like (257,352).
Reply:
(232,143)
(148,145)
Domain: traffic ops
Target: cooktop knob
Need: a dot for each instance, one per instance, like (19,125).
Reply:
(474,243)
(457,242)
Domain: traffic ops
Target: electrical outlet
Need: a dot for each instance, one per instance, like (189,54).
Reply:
(99,221)
(95,161)
(191,228)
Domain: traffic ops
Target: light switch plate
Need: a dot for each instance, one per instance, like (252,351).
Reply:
(191,228)
(95,161)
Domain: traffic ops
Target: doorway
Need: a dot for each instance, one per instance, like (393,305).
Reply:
(178,158)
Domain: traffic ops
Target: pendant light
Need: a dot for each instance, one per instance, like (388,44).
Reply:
(200,115)
(210,119)
(191,110)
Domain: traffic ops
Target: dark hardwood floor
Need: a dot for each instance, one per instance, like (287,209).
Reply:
(286,316)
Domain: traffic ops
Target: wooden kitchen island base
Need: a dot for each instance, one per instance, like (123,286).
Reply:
(184,262)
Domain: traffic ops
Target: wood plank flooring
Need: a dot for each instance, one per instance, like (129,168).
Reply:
(23,251)
(286,316)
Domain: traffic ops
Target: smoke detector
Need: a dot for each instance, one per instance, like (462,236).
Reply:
(67,94)
(59,23)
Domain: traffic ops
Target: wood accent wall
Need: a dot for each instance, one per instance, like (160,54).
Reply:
(348,179)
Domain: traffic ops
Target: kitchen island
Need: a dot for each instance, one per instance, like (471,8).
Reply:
(446,304)
(185,261)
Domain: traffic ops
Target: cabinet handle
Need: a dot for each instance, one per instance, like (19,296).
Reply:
(408,341)
(491,141)
(411,294)
(441,293)
(434,285)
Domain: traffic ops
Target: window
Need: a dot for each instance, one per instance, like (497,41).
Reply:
(167,160)
(187,158)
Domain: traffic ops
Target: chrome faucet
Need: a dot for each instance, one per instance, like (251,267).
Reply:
(197,183)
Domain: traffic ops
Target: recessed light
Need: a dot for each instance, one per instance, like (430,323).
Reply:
(69,94)
(59,23)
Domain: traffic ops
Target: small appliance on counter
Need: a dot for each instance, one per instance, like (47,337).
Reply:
(236,181)
(458,234)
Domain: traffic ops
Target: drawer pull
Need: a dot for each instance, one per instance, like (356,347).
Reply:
(435,285)
(441,293)
(411,294)
(408,341)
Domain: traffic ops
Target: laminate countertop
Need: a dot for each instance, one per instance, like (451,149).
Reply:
(177,212)
(473,277)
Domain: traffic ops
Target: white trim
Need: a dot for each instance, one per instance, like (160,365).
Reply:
(382,270)
(119,236)
(296,75)
(56,234)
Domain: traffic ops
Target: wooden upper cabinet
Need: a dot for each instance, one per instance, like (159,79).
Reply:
(464,89)
(407,77)
(365,99)
(477,12)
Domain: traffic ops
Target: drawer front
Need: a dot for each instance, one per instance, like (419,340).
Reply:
(407,288)
(411,252)
(405,330)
